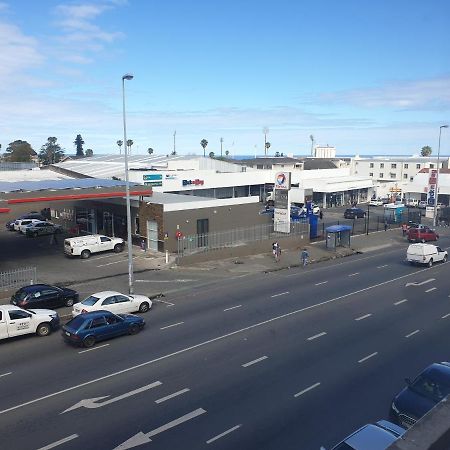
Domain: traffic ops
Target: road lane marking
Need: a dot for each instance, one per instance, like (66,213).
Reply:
(170,326)
(446,315)
(233,307)
(164,281)
(363,317)
(175,394)
(111,263)
(306,390)
(412,334)
(60,442)
(421,283)
(431,289)
(353,274)
(203,344)
(5,374)
(255,361)
(223,434)
(317,336)
(401,301)
(94,348)
(322,282)
(277,295)
(368,357)
(163,301)
(380,267)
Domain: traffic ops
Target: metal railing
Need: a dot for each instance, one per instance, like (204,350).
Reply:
(17,278)
(202,243)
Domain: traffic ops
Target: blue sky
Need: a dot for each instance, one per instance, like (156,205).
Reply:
(366,77)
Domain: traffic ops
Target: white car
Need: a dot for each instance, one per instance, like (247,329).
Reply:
(376,203)
(23,222)
(114,302)
(27,223)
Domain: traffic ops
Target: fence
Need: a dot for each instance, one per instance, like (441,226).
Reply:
(202,243)
(17,278)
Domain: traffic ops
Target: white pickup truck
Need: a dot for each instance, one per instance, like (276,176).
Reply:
(15,321)
(83,246)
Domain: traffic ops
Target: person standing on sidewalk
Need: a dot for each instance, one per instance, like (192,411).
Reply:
(404,229)
(304,257)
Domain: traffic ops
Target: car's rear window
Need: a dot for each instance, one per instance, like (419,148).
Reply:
(90,301)
(76,322)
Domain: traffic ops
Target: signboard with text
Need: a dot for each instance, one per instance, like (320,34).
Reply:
(432,181)
(282,204)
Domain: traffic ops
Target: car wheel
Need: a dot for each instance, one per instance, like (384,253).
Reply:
(69,302)
(423,241)
(445,258)
(43,329)
(430,262)
(89,341)
(118,248)
(85,254)
(144,307)
(134,329)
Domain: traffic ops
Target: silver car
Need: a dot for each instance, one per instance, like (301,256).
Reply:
(40,228)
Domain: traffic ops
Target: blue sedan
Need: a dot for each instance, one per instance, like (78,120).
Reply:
(87,329)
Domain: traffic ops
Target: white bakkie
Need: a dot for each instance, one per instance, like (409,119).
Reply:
(425,254)
(15,321)
(83,246)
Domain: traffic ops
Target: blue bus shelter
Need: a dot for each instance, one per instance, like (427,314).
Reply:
(338,236)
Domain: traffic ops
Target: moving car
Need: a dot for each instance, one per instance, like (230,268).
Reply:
(375,202)
(30,215)
(425,254)
(44,295)
(41,228)
(114,302)
(354,213)
(15,321)
(87,329)
(422,234)
(376,436)
(83,246)
(420,395)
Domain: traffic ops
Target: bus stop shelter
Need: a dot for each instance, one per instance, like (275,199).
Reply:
(338,236)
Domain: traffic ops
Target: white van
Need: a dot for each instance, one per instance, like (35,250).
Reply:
(425,254)
(83,246)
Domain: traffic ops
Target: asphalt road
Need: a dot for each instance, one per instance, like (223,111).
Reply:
(287,360)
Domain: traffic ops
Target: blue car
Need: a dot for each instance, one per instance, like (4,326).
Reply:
(87,329)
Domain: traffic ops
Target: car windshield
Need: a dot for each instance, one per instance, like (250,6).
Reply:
(90,301)
(431,388)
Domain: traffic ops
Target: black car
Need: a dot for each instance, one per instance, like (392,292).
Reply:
(420,395)
(44,296)
(354,213)
(30,215)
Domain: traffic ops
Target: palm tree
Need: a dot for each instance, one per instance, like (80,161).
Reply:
(129,144)
(211,154)
(267,145)
(426,151)
(89,152)
(227,152)
(120,143)
(204,143)
(150,150)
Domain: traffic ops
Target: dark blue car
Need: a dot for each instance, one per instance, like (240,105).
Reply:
(87,329)
(420,395)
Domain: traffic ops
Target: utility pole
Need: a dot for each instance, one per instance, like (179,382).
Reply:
(221,142)
(174,137)
(266,132)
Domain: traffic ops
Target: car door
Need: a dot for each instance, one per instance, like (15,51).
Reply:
(109,303)
(50,297)
(440,254)
(19,322)
(3,327)
(99,328)
(105,243)
(124,304)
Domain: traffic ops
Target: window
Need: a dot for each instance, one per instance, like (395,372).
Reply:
(18,314)
(405,176)
(109,301)
(1,316)
(405,166)
(411,178)
(90,301)
(97,323)
(370,174)
(381,165)
(392,175)
(105,239)
(49,292)
(393,166)
(371,165)
(381,175)
(431,166)
(121,299)
(417,166)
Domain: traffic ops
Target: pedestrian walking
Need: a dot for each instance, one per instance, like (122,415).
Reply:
(320,215)
(404,229)
(304,257)
(385,225)
(276,249)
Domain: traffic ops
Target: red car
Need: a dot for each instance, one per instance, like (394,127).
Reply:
(422,234)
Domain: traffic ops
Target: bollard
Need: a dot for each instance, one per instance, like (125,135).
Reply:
(167,256)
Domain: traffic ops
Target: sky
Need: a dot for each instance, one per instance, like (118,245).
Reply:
(363,76)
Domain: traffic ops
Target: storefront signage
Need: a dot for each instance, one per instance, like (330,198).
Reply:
(282,217)
(195,182)
(153,177)
(283,180)
(432,187)
(153,183)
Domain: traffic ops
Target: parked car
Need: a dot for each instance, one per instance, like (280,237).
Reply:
(30,215)
(420,395)
(114,302)
(412,203)
(44,295)
(25,223)
(422,204)
(15,321)
(375,202)
(41,228)
(83,246)
(376,436)
(354,213)
(425,254)
(422,234)
(87,329)
(22,222)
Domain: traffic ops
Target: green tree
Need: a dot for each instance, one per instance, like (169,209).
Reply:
(204,143)
(277,154)
(211,154)
(120,143)
(79,145)
(426,151)
(19,151)
(227,152)
(89,152)
(129,144)
(51,152)
(267,145)
(150,151)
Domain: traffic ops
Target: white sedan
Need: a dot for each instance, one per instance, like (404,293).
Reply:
(114,302)
(375,202)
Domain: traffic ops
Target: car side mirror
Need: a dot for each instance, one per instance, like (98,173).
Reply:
(408,381)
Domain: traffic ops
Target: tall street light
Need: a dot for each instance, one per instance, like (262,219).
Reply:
(436,195)
(127,190)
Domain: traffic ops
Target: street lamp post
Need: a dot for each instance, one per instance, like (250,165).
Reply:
(127,191)
(436,195)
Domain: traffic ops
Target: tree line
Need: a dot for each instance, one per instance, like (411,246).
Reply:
(50,153)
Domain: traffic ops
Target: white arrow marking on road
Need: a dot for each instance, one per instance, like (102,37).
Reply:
(92,402)
(5,374)
(144,438)
(420,284)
